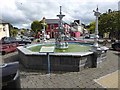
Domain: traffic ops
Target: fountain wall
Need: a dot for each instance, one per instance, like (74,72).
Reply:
(58,61)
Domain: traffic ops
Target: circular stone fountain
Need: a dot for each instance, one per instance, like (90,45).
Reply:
(77,57)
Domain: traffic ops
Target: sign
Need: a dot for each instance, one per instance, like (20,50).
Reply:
(47,49)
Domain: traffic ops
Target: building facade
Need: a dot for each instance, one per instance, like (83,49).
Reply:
(76,29)
(53,27)
(4,29)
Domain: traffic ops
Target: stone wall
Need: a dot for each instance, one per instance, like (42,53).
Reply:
(57,61)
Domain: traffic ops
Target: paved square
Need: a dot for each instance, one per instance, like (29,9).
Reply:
(82,79)
(109,80)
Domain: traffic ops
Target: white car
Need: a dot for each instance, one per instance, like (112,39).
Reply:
(90,36)
(47,37)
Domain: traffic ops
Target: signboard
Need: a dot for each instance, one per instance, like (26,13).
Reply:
(47,49)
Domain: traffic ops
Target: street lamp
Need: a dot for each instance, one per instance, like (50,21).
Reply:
(43,30)
(97,14)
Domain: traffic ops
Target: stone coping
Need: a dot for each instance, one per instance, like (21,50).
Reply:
(28,52)
(24,49)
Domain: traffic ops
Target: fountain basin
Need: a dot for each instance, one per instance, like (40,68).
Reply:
(73,47)
(59,61)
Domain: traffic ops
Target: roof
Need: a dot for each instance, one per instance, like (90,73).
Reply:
(53,21)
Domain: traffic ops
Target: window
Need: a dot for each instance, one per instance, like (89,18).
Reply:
(3,27)
(52,26)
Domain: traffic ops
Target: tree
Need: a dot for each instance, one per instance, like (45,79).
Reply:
(13,31)
(91,27)
(37,26)
(22,31)
(109,22)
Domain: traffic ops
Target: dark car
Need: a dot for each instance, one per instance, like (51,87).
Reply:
(20,41)
(116,46)
(72,39)
(91,36)
(10,76)
(31,38)
(23,40)
(5,40)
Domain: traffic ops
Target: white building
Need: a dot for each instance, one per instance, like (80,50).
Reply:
(4,29)
(77,27)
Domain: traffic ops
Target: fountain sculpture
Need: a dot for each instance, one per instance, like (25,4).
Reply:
(60,43)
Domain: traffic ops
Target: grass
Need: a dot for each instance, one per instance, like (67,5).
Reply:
(72,48)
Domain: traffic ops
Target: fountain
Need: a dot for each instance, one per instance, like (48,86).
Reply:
(63,58)
(60,43)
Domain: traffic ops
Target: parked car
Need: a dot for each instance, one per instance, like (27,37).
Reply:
(10,76)
(31,38)
(7,48)
(71,39)
(116,46)
(23,41)
(90,36)
(8,40)
(87,36)
(19,40)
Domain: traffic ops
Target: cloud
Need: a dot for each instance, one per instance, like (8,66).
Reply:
(21,13)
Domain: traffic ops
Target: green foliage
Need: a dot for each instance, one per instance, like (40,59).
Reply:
(13,31)
(109,22)
(37,26)
(92,27)
(22,31)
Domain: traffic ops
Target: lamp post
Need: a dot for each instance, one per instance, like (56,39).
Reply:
(97,14)
(43,31)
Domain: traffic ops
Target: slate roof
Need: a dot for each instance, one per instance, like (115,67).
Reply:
(53,21)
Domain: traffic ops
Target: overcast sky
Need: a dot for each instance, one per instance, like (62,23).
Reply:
(21,13)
